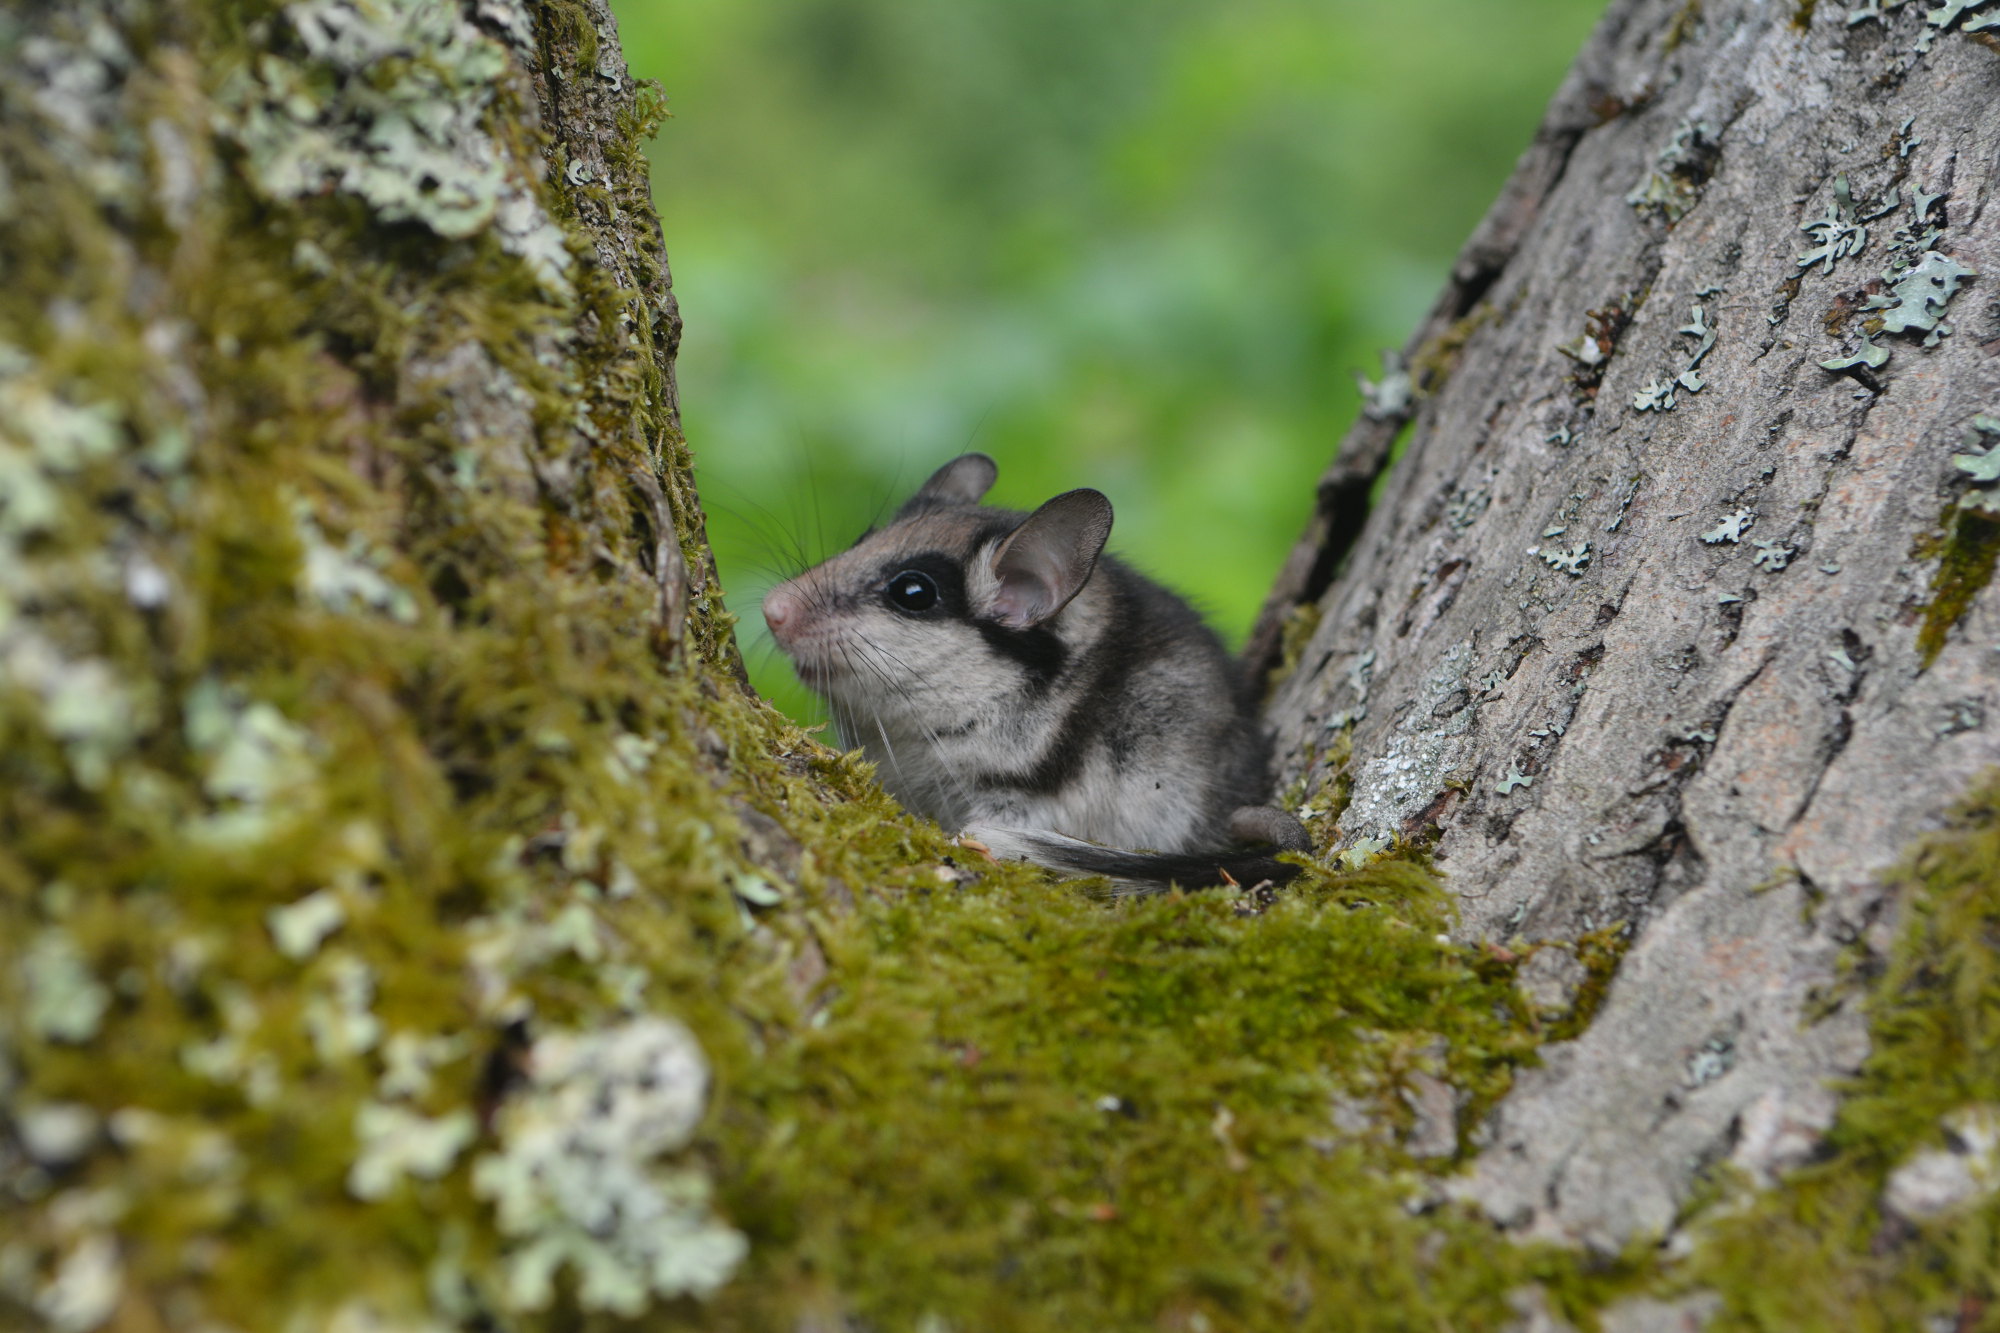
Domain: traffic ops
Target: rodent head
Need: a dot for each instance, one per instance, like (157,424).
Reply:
(951,610)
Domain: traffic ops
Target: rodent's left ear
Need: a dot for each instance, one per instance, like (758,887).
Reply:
(962,481)
(1043,563)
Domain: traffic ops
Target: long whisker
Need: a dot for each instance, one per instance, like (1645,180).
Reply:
(888,748)
(895,681)
(893,686)
(883,732)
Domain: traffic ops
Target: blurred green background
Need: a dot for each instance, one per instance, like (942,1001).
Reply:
(1141,245)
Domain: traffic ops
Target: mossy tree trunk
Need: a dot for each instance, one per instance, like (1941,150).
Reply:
(408,920)
(376,775)
(1671,619)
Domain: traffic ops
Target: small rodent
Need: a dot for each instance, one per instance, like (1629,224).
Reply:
(1046,700)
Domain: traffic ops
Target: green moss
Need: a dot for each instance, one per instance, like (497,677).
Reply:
(1320,807)
(1686,23)
(1431,367)
(1600,952)
(1129,1117)
(1821,1251)
(1300,623)
(1966,557)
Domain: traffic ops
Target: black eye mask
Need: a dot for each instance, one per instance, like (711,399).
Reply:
(930,586)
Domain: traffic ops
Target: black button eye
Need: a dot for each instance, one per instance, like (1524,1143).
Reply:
(912,591)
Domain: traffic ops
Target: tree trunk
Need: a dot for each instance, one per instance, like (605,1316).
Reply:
(408,919)
(1694,659)
(367,703)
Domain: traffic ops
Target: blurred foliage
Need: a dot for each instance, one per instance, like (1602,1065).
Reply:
(1141,245)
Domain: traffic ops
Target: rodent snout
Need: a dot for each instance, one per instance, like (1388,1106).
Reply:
(782,607)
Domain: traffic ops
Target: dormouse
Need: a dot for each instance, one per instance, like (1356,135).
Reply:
(1017,685)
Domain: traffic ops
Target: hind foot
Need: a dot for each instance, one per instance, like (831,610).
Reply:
(1266,824)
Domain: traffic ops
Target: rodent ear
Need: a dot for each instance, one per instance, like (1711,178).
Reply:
(1045,562)
(962,481)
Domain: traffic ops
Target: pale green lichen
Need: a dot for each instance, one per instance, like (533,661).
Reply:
(1920,281)
(260,768)
(1389,398)
(85,1289)
(394,1143)
(232,1058)
(757,891)
(1662,393)
(42,440)
(1919,234)
(1968,547)
(1730,528)
(1682,165)
(410,1062)
(46,440)
(1658,395)
(96,714)
(1952,11)
(348,578)
(299,930)
(1937,1182)
(1772,556)
(56,1134)
(576,1183)
(1362,852)
(413,146)
(1466,506)
(1918,299)
(1872,9)
(1870,356)
(1842,231)
(1703,333)
(1981,464)
(389,103)
(340,1015)
(65,1000)
(1570,560)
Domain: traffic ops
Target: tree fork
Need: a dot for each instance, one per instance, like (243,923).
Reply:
(378,795)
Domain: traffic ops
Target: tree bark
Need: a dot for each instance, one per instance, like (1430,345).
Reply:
(1698,669)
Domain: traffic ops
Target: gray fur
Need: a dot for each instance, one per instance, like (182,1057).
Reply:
(1051,699)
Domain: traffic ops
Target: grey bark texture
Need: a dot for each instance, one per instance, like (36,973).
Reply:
(1666,666)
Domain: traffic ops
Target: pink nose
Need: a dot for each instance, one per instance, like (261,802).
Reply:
(783,608)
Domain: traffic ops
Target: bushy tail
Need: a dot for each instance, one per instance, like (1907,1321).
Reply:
(1135,871)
